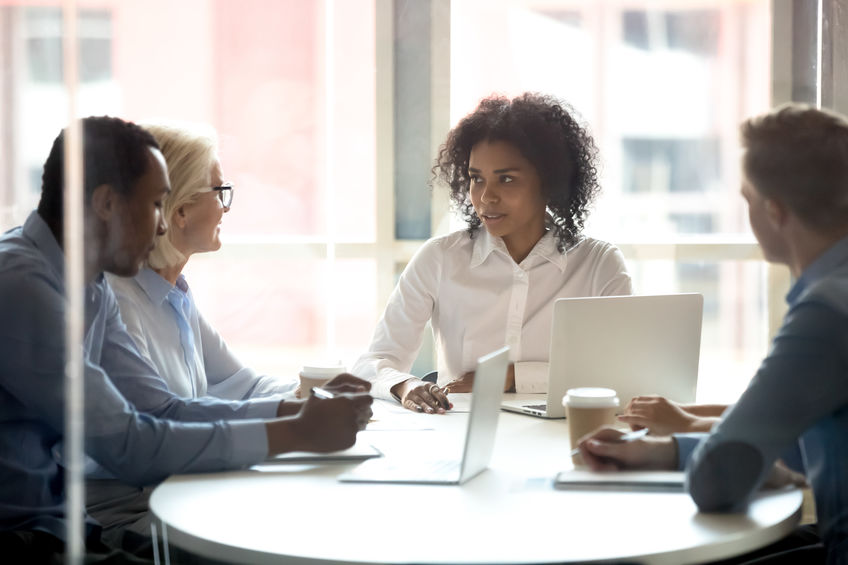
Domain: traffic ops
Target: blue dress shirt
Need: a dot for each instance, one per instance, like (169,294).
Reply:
(797,399)
(140,448)
(174,337)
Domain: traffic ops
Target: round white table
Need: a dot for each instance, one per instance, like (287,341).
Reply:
(509,514)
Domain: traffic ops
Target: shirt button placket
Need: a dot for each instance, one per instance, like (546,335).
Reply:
(517,306)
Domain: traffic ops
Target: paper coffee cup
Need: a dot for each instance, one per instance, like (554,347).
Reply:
(318,374)
(587,409)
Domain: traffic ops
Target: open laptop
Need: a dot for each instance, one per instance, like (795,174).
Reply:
(632,344)
(479,437)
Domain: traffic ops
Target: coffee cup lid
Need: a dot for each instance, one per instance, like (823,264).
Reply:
(320,369)
(594,397)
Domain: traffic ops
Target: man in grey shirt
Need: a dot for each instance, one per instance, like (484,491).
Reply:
(795,181)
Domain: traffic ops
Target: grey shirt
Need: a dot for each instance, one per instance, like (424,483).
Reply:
(797,400)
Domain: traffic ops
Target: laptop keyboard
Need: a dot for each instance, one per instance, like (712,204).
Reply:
(405,470)
(444,468)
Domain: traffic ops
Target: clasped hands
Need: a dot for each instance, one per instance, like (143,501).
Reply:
(331,424)
(603,449)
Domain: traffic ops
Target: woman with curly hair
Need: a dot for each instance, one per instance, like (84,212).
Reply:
(525,171)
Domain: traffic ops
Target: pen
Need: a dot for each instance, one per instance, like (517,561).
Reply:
(327,395)
(629,436)
(322,393)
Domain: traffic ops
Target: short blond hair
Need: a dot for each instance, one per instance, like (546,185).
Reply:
(189,149)
(799,155)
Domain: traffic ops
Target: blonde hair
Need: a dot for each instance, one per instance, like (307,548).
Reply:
(799,154)
(189,151)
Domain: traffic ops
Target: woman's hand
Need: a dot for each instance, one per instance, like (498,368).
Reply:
(662,416)
(421,396)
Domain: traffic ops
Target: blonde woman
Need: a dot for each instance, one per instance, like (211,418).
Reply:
(157,304)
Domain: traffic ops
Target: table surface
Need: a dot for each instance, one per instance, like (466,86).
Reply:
(510,513)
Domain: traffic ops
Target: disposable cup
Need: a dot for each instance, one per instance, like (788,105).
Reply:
(587,409)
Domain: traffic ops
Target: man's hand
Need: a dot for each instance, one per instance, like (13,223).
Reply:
(782,476)
(465,383)
(421,396)
(603,450)
(660,415)
(322,425)
(289,407)
(345,382)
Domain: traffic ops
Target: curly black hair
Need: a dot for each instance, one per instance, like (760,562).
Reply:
(114,152)
(545,131)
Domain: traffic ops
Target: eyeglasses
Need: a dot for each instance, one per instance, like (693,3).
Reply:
(225,193)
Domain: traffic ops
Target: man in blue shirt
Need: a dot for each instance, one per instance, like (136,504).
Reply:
(795,181)
(134,426)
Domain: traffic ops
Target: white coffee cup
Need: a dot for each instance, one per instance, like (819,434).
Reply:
(587,409)
(318,374)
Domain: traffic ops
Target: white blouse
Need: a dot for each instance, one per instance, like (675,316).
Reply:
(478,299)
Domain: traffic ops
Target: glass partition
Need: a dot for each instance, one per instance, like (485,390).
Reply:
(329,113)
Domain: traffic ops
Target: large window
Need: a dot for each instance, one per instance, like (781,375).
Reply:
(662,86)
(329,114)
(289,86)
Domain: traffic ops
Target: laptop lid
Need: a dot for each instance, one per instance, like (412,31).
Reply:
(489,379)
(480,430)
(632,344)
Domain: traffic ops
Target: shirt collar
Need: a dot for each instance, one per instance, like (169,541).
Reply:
(835,256)
(485,244)
(155,286)
(37,230)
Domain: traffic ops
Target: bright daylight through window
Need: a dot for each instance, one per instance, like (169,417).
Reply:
(329,114)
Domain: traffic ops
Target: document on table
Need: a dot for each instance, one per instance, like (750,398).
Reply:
(398,425)
(389,415)
(360,451)
(461,401)
(583,479)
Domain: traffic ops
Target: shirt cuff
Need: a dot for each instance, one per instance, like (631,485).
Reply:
(686,444)
(249,441)
(263,408)
(382,387)
(531,376)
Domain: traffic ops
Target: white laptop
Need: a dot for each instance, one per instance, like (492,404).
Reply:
(479,437)
(633,344)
